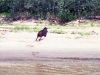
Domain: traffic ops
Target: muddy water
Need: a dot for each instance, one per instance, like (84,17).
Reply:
(51,67)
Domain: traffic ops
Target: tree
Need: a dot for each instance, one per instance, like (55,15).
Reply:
(66,10)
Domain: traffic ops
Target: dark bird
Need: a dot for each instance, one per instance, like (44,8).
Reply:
(42,33)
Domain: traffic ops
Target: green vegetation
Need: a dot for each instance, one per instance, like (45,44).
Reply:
(21,28)
(84,33)
(57,31)
(34,29)
(25,28)
(81,33)
(59,10)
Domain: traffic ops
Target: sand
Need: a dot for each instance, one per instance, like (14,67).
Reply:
(23,44)
(68,67)
(56,54)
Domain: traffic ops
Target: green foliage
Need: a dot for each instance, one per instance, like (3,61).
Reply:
(21,28)
(36,29)
(66,10)
(25,28)
(57,31)
(66,16)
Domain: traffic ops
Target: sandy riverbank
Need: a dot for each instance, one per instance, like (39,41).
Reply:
(57,54)
(23,44)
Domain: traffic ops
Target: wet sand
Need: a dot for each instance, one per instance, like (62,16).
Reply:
(56,67)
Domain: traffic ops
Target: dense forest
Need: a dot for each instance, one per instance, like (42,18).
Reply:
(64,10)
